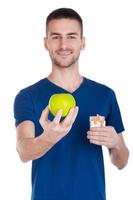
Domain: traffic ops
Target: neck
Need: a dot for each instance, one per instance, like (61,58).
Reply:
(67,78)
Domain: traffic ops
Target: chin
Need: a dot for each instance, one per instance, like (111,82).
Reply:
(64,64)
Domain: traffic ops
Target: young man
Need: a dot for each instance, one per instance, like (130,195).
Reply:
(67,153)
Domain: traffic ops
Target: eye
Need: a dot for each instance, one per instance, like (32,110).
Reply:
(71,37)
(55,37)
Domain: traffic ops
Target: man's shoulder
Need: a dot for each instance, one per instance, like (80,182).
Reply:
(37,86)
(33,91)
(98,87)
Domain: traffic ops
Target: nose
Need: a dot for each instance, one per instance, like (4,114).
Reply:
(63,43)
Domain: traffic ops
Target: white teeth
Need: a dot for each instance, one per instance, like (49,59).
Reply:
(64,53)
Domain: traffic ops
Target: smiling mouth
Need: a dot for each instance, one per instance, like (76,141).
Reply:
(64,53)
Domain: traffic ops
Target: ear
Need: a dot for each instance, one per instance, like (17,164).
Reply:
(83,43)
(45,43)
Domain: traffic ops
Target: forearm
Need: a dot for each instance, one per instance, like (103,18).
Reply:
(33,148)
(119,155)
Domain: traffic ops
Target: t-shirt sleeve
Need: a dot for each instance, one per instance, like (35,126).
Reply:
(114,118)
(23,108)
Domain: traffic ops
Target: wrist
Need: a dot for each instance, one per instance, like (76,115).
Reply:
(46,138)
(117,147)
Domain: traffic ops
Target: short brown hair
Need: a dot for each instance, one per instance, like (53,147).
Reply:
(66,13)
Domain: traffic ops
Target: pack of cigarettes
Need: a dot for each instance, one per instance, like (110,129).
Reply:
(97,121)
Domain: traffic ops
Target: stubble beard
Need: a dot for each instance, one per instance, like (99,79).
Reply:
(65,64)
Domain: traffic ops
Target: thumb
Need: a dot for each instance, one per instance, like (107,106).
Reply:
(44,116)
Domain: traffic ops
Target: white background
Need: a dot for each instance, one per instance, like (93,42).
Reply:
(108,58)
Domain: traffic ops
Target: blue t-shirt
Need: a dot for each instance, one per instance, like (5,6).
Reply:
(72,169)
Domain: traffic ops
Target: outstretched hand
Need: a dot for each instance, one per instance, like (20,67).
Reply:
(55,129)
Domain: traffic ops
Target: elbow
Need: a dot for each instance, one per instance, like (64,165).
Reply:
(120,165)
(23,159)
(22,156)
(123,165)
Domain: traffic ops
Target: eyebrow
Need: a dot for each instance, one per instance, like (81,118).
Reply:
(55,33)
(73,33)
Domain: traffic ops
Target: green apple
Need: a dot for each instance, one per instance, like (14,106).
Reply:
(64,101)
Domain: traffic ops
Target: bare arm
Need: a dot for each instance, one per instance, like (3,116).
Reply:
(119,154)
(30,147)
(108,137)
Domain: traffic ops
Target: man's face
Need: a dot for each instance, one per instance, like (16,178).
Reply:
(64,42)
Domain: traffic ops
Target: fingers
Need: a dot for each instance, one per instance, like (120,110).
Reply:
(97,137)
(75,114)
(70,118)
(101,143)
(102,136)
(102,129)
(44,115)
(57,118)
(107,131)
